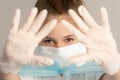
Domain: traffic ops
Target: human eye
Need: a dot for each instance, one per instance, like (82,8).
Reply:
(69,39)
(48,41)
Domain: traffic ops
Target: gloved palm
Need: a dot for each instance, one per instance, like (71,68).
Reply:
(98,39)
(22,42)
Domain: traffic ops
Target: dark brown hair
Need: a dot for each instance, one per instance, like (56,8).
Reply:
(58,7)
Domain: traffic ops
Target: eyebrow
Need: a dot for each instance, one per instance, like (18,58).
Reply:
(64,37)
(68,36)
(50,38)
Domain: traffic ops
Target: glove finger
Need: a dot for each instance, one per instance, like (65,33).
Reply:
(16,20)
(41,60)
(46,30)
(91,56)
(82,26)
(87,17)
(38,22)
(105,19)
(73,30)
(29,19)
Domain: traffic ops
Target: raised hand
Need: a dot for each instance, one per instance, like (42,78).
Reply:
(22,42)
(98,39)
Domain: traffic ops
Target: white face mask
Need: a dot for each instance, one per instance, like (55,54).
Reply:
(61,55)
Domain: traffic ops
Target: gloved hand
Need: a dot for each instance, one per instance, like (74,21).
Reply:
(22,42)
(98,39)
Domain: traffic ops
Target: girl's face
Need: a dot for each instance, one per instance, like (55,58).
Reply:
(59,36)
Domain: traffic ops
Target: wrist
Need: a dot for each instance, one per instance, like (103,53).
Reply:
(9,76)
(113,77)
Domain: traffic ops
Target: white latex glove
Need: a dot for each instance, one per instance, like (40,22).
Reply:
(22,42)
(98,39)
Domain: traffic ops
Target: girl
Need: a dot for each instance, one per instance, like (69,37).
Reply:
(60,23)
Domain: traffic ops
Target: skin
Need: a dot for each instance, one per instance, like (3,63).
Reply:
(9,76)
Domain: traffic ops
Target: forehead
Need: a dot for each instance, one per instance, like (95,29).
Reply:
(61,17)
(59,30)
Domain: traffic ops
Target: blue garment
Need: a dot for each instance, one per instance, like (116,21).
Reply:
(56,69)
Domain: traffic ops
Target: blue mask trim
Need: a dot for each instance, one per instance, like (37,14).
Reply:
(56,69)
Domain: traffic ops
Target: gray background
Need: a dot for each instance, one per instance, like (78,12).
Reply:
(7,8)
